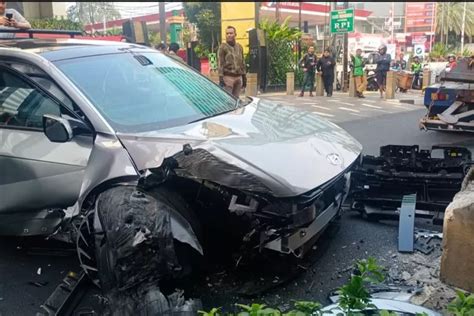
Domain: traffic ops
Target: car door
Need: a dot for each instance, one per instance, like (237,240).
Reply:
(35,173)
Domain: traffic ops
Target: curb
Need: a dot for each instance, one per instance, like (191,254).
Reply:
(412,101)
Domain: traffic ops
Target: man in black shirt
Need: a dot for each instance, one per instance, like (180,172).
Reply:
(308,62)
(326,65)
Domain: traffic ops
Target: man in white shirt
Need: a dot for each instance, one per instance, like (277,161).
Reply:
(11,19)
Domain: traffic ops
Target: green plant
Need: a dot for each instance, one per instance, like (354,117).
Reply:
(56,24)
(439,50)
(201,51)
(257,310)
(354,295)
(212,312)
(281,39)
(207,17)
(462,305)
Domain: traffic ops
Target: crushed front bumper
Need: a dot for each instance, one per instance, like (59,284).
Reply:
(331,198)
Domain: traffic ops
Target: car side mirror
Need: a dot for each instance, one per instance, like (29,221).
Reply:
(57,129)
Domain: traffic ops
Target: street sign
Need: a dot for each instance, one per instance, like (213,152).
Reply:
(392,50)
(342,21)
(419,50)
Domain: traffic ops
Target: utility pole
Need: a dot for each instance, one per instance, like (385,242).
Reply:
(277,11)
(463,27)
(433,26)
(393,23)
(299,25)
(345,77)
(162,22)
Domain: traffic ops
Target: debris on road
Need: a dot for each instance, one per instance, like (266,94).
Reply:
(379,183)
(38,272)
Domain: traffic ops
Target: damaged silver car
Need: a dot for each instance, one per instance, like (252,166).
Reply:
(144,160)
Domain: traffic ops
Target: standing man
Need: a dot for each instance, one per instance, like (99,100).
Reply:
(231,64)
(326,65)
(416,69)
(308,63)
(11,19)
(383,66)
(358,63)
(401,64)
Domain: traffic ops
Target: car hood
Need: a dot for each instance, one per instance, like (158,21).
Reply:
(263,147)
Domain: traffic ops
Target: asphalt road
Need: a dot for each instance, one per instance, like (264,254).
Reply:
(323,270)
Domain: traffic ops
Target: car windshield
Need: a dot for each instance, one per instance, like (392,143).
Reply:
(146,91)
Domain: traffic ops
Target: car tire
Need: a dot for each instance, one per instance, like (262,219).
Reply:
(135,244)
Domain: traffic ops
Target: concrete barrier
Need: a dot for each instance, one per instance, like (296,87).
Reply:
(390,85)
(352,87)
(457,261)
(290,83)
(426,79)
(319,85)
(252,85)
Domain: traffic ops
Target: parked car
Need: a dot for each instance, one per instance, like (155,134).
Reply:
(139,158)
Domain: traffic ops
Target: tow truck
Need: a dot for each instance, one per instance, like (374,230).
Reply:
(450,102)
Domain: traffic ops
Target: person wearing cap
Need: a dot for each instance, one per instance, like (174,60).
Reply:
(383,66)
(326,65)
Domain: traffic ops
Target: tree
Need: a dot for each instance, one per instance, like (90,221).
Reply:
(207,17)
(449,20)
(92,12)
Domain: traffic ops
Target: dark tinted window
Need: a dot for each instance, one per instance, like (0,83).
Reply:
(21,105)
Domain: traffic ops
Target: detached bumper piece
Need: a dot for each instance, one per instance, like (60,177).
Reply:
(378,184)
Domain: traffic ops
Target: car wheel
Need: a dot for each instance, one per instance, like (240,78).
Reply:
(133,239)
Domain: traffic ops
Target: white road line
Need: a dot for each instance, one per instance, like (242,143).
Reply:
(346,103)
(333,100)
(323,114)
(371,106)
(350,110)
(401,107)
(355,114)
(321,107)
(371,101)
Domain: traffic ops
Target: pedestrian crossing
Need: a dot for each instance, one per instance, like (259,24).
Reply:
(341,108)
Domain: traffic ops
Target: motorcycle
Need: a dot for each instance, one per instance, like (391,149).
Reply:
(371,81)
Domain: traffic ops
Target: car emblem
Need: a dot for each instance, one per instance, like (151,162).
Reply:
(334,159)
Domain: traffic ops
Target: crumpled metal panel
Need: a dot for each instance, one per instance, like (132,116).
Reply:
(275,149)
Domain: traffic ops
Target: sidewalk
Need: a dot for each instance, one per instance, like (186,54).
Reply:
(414,97)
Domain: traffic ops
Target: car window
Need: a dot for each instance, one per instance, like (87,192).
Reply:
(145,92)
(21,104)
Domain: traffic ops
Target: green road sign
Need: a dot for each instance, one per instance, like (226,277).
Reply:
(342,21)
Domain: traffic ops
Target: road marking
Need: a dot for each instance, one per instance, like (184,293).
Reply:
(321,107)
(323,114)
(401,107)
(333,100)
(355,114)
(350,110)
(346,103)
(371,106)
(371,101)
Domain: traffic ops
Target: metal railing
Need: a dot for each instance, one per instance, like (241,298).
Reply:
(32,32)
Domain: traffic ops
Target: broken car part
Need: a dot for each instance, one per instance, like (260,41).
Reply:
(406,223)
(379,183)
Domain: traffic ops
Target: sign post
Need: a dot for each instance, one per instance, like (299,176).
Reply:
(342,21)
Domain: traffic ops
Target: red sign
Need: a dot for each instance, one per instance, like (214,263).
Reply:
(419,16)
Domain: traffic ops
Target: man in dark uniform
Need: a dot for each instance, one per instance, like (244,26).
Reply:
(383,66)
(326,65)
(308,63)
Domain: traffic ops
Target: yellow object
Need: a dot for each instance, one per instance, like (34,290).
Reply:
(240,15)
